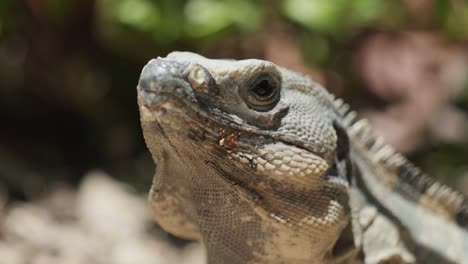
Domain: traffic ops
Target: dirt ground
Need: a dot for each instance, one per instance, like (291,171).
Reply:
(103,221)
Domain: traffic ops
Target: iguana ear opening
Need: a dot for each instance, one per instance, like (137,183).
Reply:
(202,81)
(342,167)
(342,143)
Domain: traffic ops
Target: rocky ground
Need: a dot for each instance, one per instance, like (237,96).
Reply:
(103,221)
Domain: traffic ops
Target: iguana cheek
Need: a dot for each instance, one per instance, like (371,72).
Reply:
(280,160)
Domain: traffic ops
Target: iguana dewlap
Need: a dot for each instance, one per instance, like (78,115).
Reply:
(263,165)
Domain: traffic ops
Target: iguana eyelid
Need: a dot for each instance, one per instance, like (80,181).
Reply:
(257,102)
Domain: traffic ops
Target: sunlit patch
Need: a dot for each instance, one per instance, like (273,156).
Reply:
(283,159)
(335,213)
(338,181)
(147,114)
(338,174)
(197,78)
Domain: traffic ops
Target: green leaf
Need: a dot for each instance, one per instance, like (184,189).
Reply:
(364,11)
(322,15)
(247,15)
(206,17)
(315,49)
(140,14)
(59,9)
(442,10)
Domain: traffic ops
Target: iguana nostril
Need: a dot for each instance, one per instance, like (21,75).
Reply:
(202,81)
(198,78)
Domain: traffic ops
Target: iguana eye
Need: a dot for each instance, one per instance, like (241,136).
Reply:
(262,94)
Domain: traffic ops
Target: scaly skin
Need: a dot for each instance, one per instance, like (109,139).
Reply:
(265,166)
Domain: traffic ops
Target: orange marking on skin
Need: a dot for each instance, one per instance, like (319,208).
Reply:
(229,140)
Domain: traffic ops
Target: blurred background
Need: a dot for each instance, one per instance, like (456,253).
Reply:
(74,170)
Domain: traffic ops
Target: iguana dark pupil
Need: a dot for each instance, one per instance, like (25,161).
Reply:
(263,88)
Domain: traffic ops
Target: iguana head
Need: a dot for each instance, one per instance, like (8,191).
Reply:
(249,147)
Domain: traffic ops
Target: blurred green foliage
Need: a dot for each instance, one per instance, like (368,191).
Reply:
(167,21)
(341,16)
(205,17)
(5,6)
(448,162)
(59,9)
(170,20)
(325,25)
(452,17)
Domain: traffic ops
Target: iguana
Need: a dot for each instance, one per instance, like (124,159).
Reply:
(263,165)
